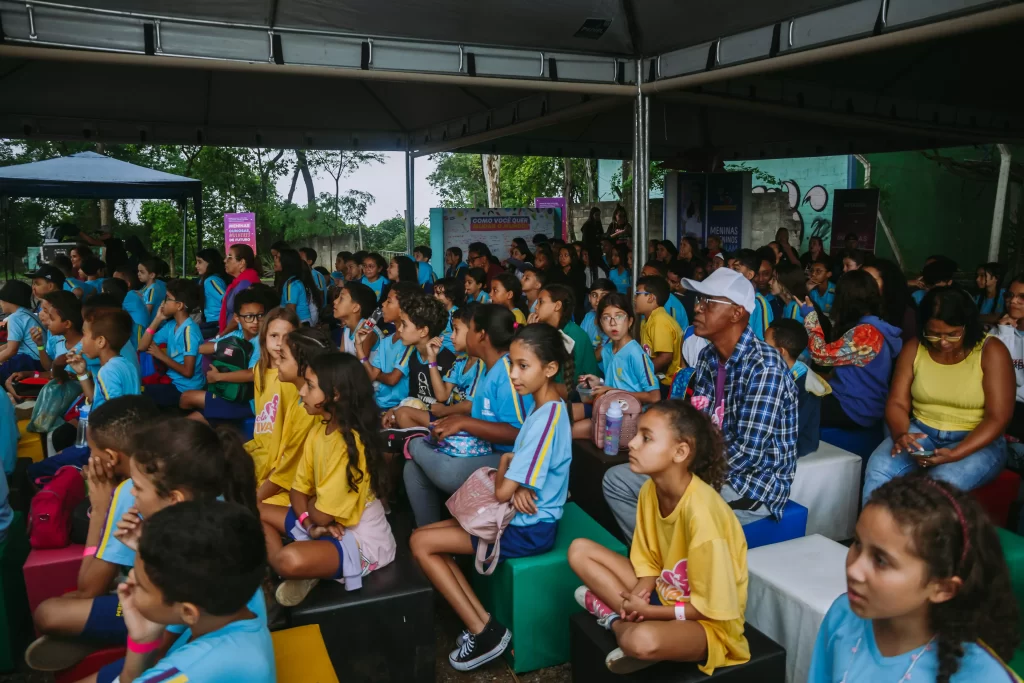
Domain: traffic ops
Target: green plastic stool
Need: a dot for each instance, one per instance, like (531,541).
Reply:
(15,618)
(1013,551)
(533,596)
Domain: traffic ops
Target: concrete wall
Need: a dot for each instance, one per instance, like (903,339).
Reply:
(769,212)
(655,208)
(327,247)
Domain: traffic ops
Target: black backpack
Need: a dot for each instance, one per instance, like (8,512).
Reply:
(232,354)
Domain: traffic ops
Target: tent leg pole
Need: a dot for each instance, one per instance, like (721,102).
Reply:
(410,203)
(184,235)
(641,163)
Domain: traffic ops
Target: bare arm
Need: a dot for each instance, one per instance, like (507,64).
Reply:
(1000,386)
(898,407)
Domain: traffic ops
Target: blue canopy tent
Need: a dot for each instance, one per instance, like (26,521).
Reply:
(89,175)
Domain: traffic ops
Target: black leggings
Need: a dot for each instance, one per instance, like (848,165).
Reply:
(833,415)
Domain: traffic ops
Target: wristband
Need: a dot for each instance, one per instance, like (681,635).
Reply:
(363,359)
(36,375)
(40,348)
(90,551)
(303,517)
(432,365)
(83,377)
(150,332)
(681,611)
(143,648)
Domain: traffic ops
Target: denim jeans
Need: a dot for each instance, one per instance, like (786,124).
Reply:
(977,469)
(431,473)
(621,487)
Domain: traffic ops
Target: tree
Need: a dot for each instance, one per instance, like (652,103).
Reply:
(338,165)
(492,177)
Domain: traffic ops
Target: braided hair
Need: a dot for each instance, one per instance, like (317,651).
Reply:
(954,537)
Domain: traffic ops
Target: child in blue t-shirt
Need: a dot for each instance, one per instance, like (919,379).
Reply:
(590,324)
(475,280)
(533,477)
(21,351)
(373,267)
(174,328)
(619,272)
(105,333)
(153,288)
(928,593)
(450,293)
(390,384)
(203,586)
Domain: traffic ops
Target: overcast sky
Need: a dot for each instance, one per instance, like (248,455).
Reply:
(384,181)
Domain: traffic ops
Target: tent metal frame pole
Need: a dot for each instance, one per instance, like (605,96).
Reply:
(184,235)
(641,155)
(410,202)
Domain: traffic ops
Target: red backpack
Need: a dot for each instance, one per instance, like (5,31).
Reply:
(49,524)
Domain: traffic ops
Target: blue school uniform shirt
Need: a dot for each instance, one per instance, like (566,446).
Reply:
(481,298)
(154,295)
(458,271)
(319,279)
(71,284)
(18,325)
(630,369)
(593,330)
(674,307)
(543,452)
(136,308)
(918,296)
(465,375)
(621,280)
(846,650)
(446,336)
(424,273)
(792,311)
(213,291)
(294,292)
(762,317)
(990,306)
(377,286)
(182,341)
(826,300)
(497,400)
(391,354)
(241,652)
(127,352)
(93,286)
(115,378)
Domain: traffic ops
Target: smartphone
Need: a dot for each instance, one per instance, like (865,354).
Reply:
(924,454)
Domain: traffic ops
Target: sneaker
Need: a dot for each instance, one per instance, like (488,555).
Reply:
(618,663)
(292,592)
(586,599)
(50,653)
(476,650)
(461,638)
(395,439)
(409,439)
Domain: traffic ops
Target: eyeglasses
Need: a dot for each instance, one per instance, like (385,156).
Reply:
(173,301)
(702,301)
(1011,297)
(636,294)
(251,317)
(951,338)
(617,318)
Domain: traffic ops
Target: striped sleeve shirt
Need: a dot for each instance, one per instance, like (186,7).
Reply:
(543,451)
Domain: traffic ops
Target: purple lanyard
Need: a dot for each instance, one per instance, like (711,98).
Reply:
(720,386)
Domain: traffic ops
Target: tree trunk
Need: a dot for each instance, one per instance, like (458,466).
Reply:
(492,176)
(627,187)
(567,194)
(307,179)
(591,189)
(295,181)
(106,205)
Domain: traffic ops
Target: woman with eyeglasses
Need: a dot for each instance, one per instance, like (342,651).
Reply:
(951,400)
(240,263)
(1010,331)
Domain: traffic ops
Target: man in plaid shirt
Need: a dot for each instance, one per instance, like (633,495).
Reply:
(744,385)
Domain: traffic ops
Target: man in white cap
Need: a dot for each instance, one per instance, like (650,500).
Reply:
(746,388)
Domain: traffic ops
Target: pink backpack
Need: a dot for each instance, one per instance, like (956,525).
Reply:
(481,514)
(631,410)
(49,522)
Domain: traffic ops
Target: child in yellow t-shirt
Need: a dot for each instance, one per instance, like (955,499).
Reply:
(300,347)
(270,396)
(682,594)
(336,515)
(660,335)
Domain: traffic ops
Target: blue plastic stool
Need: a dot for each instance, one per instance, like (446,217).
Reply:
(767,531)
(862,442)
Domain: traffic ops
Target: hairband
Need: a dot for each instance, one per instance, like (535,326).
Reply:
(959,515)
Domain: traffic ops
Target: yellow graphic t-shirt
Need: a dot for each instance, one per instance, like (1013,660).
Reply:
(699,555)
(266,434)
(323,472)
(661,334)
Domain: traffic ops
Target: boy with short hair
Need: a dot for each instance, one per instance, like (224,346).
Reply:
(660,335)
(673,304)
(820,286)
(384,369)
(308,254)
(763,280)
(104,333)
(249,311)
(355,303)
(373,265)
(95,271)
(746,262)
(182,336)
(789,338)
(590,324)
(423,318)
(21,351)
(533,281)
(45,279)
(62,312)
(425,274)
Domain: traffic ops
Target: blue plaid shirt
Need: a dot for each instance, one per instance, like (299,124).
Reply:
(760,419)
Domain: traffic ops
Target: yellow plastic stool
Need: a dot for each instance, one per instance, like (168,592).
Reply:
(30,444)
(301,656)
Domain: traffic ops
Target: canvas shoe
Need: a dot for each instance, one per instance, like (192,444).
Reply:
(476,650)
(395,439)
(50,653)
(586,599)
(618,663)
(292,592)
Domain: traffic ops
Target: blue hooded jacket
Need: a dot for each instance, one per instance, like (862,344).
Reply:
(863,391)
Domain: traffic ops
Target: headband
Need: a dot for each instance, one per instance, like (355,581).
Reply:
(959,514)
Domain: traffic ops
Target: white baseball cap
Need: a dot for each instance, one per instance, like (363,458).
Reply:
(725,284)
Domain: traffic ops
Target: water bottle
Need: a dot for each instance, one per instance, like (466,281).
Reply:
(375,318)
(612,428)
(83,424)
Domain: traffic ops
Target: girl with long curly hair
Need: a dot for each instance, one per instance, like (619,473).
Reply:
(337,489)
(682,593)
(928,593)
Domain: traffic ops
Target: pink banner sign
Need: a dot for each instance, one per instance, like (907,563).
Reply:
(555,203)
(240,228)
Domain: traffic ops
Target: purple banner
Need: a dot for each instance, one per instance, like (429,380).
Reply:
(554,203)
(240,228)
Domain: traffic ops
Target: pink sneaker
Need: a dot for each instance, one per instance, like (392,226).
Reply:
(586,599)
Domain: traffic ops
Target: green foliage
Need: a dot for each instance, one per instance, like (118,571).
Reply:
(759,176)
(459,180)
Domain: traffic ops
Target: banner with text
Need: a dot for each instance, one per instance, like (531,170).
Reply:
(495,227)
(854,212)
(240,228)
(725,209)
(555,203)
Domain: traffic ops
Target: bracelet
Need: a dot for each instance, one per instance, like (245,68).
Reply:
(36,375)
(150,332)
(40,348)
(143,648)
(681,611)
(90,551)
(303,517)
(83,377)
(363,359)
(432,365)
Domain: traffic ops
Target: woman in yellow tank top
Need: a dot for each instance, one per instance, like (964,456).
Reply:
(950,402)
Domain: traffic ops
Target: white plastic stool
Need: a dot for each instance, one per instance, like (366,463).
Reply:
(792,585)
(827,483)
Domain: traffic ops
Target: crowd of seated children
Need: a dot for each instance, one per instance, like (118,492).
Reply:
(337,490)
(181,337)
(533,475)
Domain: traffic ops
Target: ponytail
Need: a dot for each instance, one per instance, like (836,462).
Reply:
(497,322)
(547,344)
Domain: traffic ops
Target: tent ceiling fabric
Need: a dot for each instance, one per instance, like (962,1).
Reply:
(956,90)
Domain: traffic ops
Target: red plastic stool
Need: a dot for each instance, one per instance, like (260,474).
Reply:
(998,496)
(90,665)
(49,573)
